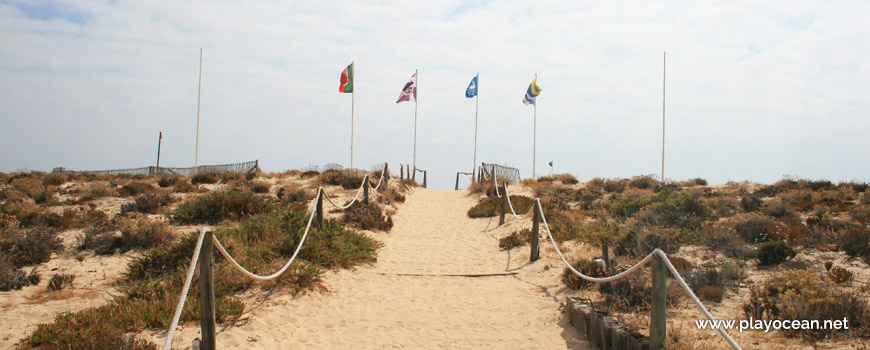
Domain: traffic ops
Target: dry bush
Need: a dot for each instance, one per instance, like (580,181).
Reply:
(722,237)
(840,275)
(28,246)
(134,188)
(368,217)
(804,295)
(69,219)
(167,180)
(856,243)
(347,179)
(260,187)
(309,173)
(711,293)
(33,188)
(149,203)
(11,277)
(391,195)
(205,178)
(491,206)
(294,194)
(60,281)
(774,252)
(516,239)
(54,179)
(584,266)
(183,186)
(96,190)
(566,179)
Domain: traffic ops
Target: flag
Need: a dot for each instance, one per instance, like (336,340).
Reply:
(471,91)
(346,79)
(551,163)
(409,92)
(533,92)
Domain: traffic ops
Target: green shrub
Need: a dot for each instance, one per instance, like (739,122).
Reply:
(491,206)
(615,185)
(347,179)
(698,181)
(135,232)
(776,209)
(680,209)
(205,178)
(183,186)
(586,267)
(751,203)
(626,205)
(222,205)
(368,217)
(515,239)
(230,176)
(755,228)
(774,252)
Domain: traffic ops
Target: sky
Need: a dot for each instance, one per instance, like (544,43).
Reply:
(754,90)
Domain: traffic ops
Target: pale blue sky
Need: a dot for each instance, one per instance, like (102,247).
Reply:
(755,90)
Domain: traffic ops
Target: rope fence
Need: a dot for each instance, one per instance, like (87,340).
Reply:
(207,242)
(661,264)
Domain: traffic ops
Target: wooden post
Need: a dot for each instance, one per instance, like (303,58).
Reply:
(414,174)
(318,208)
(159,141)
(456,188)
(536,221)
(658,314)
(401,173)
(206,293)
(424,178)
(366,190)
(605,252)
(386,175)
(494,184)
(504,199)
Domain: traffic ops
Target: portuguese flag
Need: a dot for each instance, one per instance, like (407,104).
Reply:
(346,79)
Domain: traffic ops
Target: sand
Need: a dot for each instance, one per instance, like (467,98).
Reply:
(381,307)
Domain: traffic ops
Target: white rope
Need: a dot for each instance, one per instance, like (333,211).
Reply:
(625,273)
(358,192)
(276,274)
(484,172)
(381,179)
(167,344)
(524,217)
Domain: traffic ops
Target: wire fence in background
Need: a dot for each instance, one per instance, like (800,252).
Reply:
(512,174)
(245,167)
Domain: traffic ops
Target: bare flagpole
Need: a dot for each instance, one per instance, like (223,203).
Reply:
(352,94)
(534,133)
(664,67)
(198,98)
(416,71)
(476,103)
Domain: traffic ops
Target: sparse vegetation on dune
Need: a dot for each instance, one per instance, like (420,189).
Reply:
(258,230)
(756,229)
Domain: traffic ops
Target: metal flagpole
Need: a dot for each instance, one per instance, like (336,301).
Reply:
(664,67)
(198,98)
(352,94)
(415,120)
(476,103)
(534,133)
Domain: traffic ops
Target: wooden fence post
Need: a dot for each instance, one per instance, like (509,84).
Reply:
(504,199)
(319,208)
(424,178)
(605,252)
(206,292)
(414,174)
(536,253)
(366,190)
(658,315)
(456,188)
(401,172)
(386,175)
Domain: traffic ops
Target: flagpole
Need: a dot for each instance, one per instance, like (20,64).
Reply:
(416,72)
(198,99)
(664,67)
(352,95)
(534,138)
(476,103)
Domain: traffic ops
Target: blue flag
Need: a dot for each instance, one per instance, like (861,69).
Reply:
(533,92)
(471,91)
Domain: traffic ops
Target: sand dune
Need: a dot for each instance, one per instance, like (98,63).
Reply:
(376,307)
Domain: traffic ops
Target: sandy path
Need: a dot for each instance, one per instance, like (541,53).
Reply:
(375,308)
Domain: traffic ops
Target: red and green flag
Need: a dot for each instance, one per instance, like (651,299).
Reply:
(346,79)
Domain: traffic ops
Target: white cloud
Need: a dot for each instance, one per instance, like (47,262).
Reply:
(754,90)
